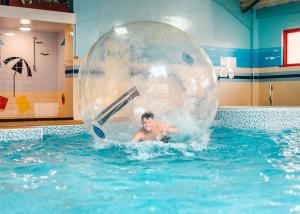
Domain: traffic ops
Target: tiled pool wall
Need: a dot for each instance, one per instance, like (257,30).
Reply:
(39,132)
(266,118)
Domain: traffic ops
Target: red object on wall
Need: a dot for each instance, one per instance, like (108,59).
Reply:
(3,102)
(43,5)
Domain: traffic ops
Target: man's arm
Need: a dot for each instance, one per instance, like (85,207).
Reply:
(169,128)
(136,137)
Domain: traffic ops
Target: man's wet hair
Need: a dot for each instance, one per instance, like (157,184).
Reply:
(147,115)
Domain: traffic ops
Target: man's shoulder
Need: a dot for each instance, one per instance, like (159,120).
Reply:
(140,132)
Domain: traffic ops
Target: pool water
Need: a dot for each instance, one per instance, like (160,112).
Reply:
(228,171)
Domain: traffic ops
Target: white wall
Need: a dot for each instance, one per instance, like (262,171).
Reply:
(21,45)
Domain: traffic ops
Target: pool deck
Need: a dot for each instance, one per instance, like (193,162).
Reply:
(30,124)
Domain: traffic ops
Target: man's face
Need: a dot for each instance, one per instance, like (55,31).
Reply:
(147,124)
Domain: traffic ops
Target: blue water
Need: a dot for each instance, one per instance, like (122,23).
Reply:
(228,171)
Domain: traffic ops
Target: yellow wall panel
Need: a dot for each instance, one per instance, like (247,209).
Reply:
(235,94)
(284,93)
(14,111)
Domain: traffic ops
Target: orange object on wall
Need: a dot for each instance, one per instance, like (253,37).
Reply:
(23,104)
(63,99)
(3,103)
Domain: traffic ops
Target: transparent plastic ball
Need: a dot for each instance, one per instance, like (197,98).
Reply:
(146,66)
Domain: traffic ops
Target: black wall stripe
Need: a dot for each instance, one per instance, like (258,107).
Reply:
(241,77)
(261,77)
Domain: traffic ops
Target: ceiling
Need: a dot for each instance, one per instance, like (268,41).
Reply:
(264,3)
(14,24)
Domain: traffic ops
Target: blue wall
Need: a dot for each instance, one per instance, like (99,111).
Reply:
(270,25)
(213,23)
(272,21)
(218,25)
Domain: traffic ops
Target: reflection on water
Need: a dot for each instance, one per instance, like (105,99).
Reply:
(289,142)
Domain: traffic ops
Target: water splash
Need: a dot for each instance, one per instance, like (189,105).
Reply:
(181,146)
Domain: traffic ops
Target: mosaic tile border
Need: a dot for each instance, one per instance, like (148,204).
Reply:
(64,130)
(36,133)
(267,118)
(21,134)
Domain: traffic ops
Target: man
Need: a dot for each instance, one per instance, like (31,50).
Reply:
(153,129)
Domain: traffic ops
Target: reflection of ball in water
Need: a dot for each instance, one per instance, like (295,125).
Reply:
(167,72)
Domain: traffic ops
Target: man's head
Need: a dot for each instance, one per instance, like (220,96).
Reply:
(147,120)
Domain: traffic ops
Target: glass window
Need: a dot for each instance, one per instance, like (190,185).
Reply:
(291,47)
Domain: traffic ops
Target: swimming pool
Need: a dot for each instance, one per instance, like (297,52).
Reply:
(229,170)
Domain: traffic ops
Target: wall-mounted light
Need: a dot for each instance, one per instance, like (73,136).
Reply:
(9,34)
(25,25)
(25,21)
(25,28)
